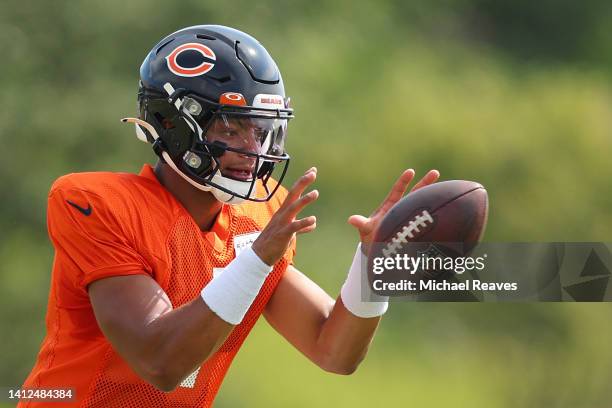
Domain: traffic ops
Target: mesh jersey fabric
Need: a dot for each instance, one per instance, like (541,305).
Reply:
(134,226)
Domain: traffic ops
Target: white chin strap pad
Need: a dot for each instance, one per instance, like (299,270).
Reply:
(240,187)
(225,197)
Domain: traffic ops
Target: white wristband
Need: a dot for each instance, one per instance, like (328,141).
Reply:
(230,294)
(353,295)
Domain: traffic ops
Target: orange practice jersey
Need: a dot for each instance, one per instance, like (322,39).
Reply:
(109,224)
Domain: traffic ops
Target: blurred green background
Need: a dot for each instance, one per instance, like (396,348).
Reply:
(514,94)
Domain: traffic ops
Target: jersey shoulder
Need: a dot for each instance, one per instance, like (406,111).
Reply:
(107,224)
(116,192)
(104,184)
(107,203)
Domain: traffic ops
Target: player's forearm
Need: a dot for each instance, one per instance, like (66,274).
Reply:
(161,344)
(350,327)
(179,341)
(185,337)
(344,340)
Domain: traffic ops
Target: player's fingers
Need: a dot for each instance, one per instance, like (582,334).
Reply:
(397,191)
(307,229)
(431,177)
(400,186)
(298,225)
(294,208)
(358,221)
(300,185)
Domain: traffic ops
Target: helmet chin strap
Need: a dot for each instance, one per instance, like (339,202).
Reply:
(241,187)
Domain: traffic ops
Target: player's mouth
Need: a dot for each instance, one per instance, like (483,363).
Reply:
(239,173)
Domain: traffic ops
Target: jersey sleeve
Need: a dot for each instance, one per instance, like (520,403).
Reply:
(87,231)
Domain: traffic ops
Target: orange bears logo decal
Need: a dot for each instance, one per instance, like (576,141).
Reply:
(205,54)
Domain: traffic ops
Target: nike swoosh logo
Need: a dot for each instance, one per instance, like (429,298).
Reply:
(85,211)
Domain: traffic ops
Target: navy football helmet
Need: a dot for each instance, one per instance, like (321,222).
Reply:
(208,79)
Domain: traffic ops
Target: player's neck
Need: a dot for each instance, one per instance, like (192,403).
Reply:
(201,205)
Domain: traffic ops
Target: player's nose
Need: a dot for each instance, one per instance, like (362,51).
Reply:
(249,142)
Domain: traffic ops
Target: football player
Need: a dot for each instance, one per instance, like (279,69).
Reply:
(159,277)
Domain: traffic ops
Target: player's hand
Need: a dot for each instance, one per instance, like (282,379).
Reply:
(273,241)
(367,226)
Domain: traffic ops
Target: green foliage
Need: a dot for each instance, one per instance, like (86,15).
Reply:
(459,86)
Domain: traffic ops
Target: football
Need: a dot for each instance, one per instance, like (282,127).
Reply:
(445,219)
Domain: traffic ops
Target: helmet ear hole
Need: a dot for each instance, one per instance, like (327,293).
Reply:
(167,124)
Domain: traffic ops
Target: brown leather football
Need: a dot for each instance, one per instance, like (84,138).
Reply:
(445,219)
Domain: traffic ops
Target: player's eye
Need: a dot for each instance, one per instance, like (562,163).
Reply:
(227,133)
(261,135)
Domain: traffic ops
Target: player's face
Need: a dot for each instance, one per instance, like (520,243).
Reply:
(239,133)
